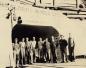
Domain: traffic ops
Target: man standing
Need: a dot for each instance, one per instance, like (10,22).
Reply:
(63,45)
(27,50)
(31,53)
(71,46)
(57,50)
(22,45)
(34,46)
(48,51)
(16,52)
(40,48)
(53,47)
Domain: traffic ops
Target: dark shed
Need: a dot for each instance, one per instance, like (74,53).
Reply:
(22,30)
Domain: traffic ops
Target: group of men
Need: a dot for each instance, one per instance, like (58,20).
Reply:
(23,51)
(29,51)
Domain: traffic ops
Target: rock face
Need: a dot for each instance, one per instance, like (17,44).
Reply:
(6,53)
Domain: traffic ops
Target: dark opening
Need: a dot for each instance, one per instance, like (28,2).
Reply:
(22,31)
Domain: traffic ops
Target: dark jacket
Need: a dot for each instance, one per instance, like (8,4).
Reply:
(63,43)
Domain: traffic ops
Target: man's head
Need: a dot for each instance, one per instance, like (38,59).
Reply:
(53,39)
(27,39)
(16,40)
(23,39)
(34,39)
(46,39)
(40,39)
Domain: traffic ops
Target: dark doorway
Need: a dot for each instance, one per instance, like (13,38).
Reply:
(22,31)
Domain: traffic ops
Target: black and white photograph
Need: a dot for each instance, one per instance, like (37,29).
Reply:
(42,33)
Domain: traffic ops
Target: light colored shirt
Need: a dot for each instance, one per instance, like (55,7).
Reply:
(40,44)
(28,44)
(48,45)
(16,48)
(34,44)
(22,45)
